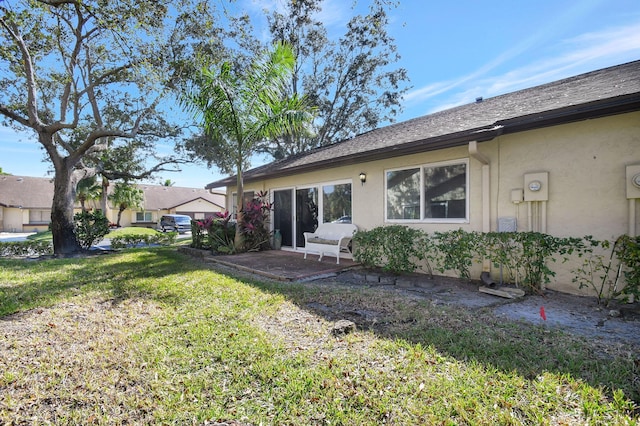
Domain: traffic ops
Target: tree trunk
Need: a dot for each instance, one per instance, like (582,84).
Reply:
(62,226)
(238,240)
(104,198)
(119,216)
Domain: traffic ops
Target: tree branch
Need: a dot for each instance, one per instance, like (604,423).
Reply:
(117,174)
(32,100)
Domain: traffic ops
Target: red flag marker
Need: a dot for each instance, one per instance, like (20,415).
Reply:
(542,314)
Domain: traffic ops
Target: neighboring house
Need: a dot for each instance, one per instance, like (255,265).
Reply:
(25,204)
(559,158)
(158,200)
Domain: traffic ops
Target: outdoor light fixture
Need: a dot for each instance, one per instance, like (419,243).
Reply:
(363,177)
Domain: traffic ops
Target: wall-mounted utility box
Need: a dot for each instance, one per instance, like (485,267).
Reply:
(516,196)
(633,181)
(536,186)
(507,224)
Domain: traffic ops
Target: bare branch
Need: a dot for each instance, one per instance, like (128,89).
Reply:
(160,167)
(11,114)
(32,100)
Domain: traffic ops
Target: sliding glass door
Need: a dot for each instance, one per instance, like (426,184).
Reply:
(283,215)
(306,213)
(300,210)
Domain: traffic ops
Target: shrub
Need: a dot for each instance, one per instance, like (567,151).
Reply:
(199,230)
(456,251)
(255,223)
(221,233)
(90,228)
(25,248)
(396,248)
(628,252)
(160,238)
(603,267)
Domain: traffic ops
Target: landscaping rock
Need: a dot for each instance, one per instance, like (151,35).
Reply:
(387,279)
(373,278)
(343,327)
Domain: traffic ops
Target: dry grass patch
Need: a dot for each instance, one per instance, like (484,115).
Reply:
(73,362)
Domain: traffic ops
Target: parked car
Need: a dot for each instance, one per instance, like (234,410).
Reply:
(175,222)
(343,219)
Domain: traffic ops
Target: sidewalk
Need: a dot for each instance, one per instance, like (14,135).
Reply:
(14,236)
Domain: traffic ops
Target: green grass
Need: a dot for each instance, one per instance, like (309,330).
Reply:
(154,337)
(40,236)
(130,230)
(120,232)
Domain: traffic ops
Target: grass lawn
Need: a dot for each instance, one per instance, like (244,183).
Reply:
(119,232)
(149,336)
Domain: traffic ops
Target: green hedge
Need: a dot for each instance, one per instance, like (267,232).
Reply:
(526,257)
(128,241)
(25,248)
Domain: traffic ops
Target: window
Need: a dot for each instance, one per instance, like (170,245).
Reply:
(247,196)
(144,217)
(434,192)
(403,194)
(336,203)
(39,216)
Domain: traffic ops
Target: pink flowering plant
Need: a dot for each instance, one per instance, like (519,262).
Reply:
(216,233)
(255,223)
(213,233)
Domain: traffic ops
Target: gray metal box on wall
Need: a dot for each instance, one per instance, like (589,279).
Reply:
(507,224)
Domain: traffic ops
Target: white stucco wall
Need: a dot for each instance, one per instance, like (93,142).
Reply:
(13,219)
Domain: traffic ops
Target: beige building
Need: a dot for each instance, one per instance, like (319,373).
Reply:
(25,204)
(562,158)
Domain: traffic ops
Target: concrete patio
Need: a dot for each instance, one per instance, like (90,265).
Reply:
(281,265)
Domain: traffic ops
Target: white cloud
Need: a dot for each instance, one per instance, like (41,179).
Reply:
(584,53)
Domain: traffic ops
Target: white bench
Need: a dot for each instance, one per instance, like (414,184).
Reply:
(329,238)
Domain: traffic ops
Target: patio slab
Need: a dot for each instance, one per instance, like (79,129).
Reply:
(284,265)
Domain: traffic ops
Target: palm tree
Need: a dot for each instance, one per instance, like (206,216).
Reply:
(240,111)
(168,182)
(126,196)
(88,190)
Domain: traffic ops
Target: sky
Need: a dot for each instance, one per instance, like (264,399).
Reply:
(453,51)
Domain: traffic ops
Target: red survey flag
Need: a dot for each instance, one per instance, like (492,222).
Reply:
(542,314)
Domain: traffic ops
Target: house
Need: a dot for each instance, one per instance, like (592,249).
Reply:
(158,200)
(25,204)
(562,158)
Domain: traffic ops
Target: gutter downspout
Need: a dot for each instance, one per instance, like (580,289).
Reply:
(486,212)
(632,217)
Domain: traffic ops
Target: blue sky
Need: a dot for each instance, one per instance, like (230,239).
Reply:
(454,52)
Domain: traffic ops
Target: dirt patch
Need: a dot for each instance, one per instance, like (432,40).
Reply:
(618,324)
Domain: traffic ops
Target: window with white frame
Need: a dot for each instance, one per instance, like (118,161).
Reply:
(433,193)
(336,203)
(144,217)
(247,196)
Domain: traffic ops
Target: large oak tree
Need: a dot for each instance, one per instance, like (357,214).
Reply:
(89,78)
(352,79)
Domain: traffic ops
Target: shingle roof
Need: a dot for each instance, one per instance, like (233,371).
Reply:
(37,193)
(169,197)
(598,93)
(26,192)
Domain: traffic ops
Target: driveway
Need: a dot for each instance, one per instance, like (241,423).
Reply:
(14,236)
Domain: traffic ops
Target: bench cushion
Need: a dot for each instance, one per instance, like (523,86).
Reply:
(319,240)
